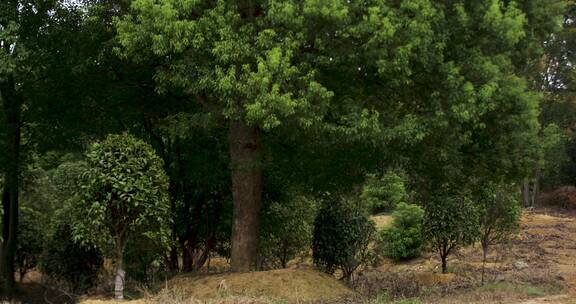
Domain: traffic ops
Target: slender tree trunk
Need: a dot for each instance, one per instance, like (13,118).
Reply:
(536,188)
(526,193)
(173,256)
(186,258)
(120,275)
(12,110)
(444,259)
(247,194)
(484,256)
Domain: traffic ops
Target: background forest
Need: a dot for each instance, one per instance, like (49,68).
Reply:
(143,139)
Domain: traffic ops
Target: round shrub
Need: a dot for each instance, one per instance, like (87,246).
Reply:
(403,240)
(342,233)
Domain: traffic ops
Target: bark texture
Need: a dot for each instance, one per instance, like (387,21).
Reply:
(247,194)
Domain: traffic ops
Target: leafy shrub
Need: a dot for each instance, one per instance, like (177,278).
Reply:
(403,240)
(382,193)
(286,230)
(66,261)
(500,211)
(342,233)
(449,223)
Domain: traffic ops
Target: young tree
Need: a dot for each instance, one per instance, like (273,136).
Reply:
(124,193)
(499,209)
(449,223)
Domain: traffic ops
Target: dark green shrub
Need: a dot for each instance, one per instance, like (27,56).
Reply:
(69,263)
(145,260)
(342,233)
(403,240)
(286,231)
(30,240)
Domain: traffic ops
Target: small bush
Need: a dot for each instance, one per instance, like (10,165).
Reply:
(403,240)
(286,231)
(342,233)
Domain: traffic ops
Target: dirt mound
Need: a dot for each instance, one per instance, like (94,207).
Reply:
(293,285)
(564,197)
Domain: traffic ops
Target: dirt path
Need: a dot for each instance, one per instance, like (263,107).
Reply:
(560,299)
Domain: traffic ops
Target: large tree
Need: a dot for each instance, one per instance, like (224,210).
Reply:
(436,86)
(25,27)
(229,57)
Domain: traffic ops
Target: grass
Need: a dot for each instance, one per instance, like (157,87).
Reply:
(521,289)
(384,298)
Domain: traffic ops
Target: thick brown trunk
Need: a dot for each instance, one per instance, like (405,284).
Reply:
(247,194)
(12,109)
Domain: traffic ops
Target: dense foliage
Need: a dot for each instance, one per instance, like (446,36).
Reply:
(72,266)
(383,193)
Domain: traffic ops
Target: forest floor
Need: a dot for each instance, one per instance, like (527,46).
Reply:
(536,267)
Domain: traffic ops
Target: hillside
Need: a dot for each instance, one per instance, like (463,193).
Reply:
(537,266)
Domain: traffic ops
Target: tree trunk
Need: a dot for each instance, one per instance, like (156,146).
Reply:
(173,256)
(444,263)
(484,256)
(120,275)
(247,194)
(12,110)
(536,187)
(526,202)
(187,258)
